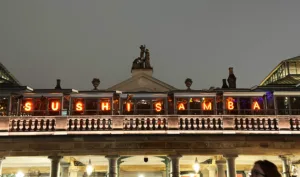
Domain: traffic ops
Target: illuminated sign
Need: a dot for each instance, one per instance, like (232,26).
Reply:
(105,106)
(181,107)
(255,105)
(230,104)
(128,107)
(55,105)
(79,106)
(28,106)
(206,106)
(158,107)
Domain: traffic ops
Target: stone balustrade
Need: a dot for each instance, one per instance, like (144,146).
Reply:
(144,124)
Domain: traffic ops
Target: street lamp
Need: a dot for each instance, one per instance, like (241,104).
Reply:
(196,166)
(89,168)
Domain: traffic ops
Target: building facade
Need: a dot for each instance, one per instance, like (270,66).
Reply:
(143,125)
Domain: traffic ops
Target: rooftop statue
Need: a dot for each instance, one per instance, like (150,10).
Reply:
(143,61)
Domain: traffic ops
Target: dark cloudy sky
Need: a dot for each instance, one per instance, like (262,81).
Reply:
(77,40)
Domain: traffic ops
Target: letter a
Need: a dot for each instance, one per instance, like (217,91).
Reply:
(181,106)
(256,105)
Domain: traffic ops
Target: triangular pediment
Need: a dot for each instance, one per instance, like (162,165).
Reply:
(142,82)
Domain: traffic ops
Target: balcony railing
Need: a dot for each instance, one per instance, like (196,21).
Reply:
(183,124)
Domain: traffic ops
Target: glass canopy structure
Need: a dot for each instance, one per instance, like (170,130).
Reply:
(286,72)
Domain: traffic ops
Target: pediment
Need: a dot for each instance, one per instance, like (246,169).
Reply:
(142,82)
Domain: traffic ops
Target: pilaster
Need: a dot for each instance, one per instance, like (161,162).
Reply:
(175,165)
(54,172)
(230,159)
(1,164)
(112,165)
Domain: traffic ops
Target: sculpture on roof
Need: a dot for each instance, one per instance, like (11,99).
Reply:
(96,83)
(188,83)
(143,61)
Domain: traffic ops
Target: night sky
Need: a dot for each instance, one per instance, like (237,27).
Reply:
(78,40)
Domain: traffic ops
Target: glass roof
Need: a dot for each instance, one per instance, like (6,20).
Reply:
(286,72)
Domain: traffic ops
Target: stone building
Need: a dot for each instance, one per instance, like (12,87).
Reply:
(146,127)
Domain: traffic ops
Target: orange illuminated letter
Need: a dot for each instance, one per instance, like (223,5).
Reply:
(206,106)
(55,105)
(128,107)
(256,105)
(28,106)
(79,106)
(230,105)
(104,106)
(158,107)
(181,106)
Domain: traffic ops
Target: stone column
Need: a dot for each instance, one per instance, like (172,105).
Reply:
(112,165)
(1,164)
(54,172)
(175,165)
(212,170)
(285,166)
(230,159)
(221,166)
(297,169)
(73,171)
(64,169)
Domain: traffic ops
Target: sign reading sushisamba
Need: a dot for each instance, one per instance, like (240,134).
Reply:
(125,120)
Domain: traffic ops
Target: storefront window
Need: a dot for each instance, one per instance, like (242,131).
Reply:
(182,106)
(105,106)
(282,105)
(158,106)
(195,106)
(54,106)
(207,106)
(4,106)
(231,105)
(295,105)
(143,107)
(78,106)
(128,107)
(91,106)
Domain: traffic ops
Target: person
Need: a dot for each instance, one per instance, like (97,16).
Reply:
(264,168)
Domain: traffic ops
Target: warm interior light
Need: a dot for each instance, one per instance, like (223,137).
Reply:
(196,166)
(192,175)
(20,174)
(141,175)
(89,168)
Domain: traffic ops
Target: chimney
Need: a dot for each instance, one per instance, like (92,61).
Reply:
(57,84)
(224,84)
(231,78)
